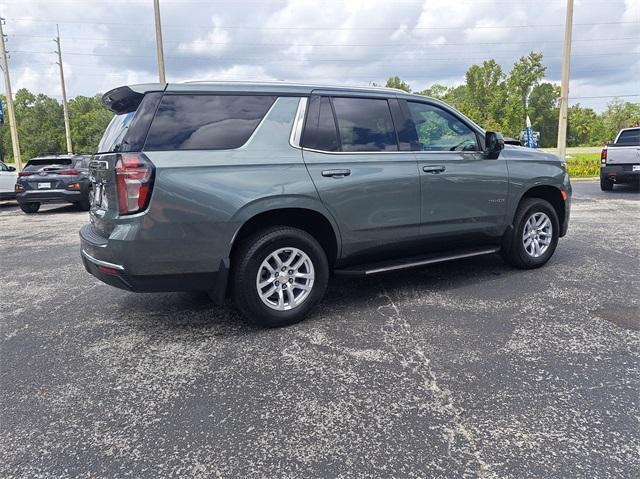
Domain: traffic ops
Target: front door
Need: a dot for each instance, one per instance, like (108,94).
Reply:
(462,191)
(371,188)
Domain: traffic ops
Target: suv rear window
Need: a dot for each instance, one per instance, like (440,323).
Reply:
(630,137)
(206,122)
(37,163)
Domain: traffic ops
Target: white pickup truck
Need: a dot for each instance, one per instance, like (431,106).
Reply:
(620,160)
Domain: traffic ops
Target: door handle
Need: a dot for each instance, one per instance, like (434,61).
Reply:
(435,169)
(336,173)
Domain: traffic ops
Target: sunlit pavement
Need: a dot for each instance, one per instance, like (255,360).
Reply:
(469,368)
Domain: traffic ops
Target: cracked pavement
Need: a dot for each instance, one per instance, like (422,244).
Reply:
(464,369)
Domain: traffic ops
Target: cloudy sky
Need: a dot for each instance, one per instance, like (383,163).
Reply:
(107,43)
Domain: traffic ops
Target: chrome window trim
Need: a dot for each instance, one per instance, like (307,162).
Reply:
(298,123)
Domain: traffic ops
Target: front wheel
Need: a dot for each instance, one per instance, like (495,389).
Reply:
(30,208)
(278,275)
(535,234)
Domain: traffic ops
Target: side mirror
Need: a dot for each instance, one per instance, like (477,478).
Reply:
(11,168)
(494,144)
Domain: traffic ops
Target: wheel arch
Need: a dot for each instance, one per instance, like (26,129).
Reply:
(306,218)
(553,195)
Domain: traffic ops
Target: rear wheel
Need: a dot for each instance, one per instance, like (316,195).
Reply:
(535,235)
(278,275)
(605,183)
(30,208)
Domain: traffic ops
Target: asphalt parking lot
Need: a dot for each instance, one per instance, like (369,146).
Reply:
(466,369)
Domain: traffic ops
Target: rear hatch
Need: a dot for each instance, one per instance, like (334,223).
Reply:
(121,175)
(50,173)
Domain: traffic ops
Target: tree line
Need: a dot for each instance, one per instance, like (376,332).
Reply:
(494,99)
(500,101)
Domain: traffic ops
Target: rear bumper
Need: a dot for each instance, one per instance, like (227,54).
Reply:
(7,195)
(102,260)
(621,173)
(50,196)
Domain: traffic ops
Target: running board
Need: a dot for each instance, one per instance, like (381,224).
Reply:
(414,262)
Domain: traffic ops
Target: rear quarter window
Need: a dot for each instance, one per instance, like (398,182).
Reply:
(206,122)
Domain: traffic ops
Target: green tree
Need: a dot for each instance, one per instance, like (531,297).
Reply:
(618,115)
(436,91)
(523,77)
(544,111)
(395,82)
(40,125)
(486,94)
(580,125)
(88,119)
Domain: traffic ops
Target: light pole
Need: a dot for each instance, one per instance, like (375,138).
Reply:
(12,114)
(160,52)
(564,87)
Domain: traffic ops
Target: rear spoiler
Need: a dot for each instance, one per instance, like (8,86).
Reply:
(126,99)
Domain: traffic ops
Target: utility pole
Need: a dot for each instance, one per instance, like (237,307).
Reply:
(7,88)
(161,75)
(564,87)
(65,109)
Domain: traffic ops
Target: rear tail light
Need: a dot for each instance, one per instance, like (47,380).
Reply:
(74,187)
(69,172)
(19,188)
(24,173)
(134,181)
(603,156)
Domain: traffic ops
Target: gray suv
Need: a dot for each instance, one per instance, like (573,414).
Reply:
(265,190)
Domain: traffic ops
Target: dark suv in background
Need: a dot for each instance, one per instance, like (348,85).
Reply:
(54,179)
(268,189)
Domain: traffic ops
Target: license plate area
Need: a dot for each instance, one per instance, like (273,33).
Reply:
(635,168)
(44,186)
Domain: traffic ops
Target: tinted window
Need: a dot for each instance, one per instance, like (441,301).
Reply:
(439,130)
(630,136)
(206,122)
(365,124)
(38,163)
(115,132)
(320,131)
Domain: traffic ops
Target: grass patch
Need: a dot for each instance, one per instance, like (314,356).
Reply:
(584,164)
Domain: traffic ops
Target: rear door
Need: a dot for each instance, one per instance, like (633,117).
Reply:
(370,186)
(462,191)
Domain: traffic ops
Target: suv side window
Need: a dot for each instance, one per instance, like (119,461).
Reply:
(439,130)
(365,124)
(320,132)
(206,122)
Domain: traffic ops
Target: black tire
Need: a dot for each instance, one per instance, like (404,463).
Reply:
(514,251)
(30,208)
(85,203)
(247,262)
(605,183)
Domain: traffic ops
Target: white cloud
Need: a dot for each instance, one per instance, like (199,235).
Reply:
(212,44)
(325,41)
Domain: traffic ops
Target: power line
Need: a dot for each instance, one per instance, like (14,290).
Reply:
(340,45)
(315,28)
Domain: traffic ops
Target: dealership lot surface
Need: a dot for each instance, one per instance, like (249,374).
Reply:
(462,369)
